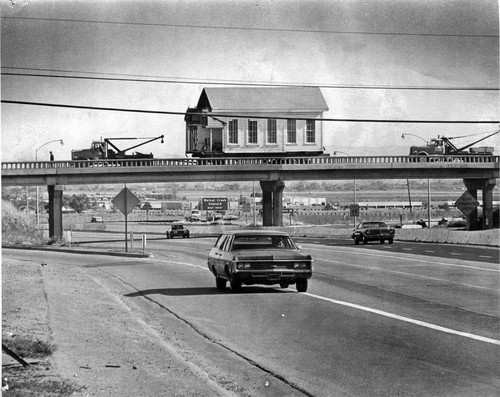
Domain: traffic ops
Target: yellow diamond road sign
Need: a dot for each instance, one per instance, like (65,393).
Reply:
(125,201)
(466,203)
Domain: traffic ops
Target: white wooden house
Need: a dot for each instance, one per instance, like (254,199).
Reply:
(253,121)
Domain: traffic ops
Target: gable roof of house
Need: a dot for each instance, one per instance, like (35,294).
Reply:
(262,99)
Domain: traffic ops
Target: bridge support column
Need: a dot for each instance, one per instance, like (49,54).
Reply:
(272,202)
(55,212)
(487,186)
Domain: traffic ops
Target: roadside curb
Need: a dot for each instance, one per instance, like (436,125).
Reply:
(77,251)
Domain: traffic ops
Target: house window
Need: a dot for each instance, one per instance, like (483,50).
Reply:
(252,131)
(271,131)
(291,131)
(310,131)
(233,131)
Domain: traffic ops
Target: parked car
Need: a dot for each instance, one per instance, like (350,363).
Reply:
(259,257)
(373,231)
(177,231)
(96,219)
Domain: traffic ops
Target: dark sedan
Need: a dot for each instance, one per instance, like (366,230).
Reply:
(177,231)
(373,231)
(259,257)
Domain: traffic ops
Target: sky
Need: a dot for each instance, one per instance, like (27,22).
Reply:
(341,46)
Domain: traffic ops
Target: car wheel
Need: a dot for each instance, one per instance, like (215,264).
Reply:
(187,235)
(235,284)
(365,240)
(382,241)
(301,285)
(356,241)
(220,283)
(391,241)
(168,236)
(284,285)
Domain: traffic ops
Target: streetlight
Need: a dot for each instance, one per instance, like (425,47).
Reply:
(428,185)
(404,135)
(36,159)
(347,154)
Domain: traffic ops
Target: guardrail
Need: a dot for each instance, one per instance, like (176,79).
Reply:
(249,161)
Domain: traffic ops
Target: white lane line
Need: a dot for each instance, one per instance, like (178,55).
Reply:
(407,319)
(429,251)
(427,262)
(185,264)
(407,249)
(486,256)
(455,253)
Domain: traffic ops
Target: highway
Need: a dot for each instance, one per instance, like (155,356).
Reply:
(377,320)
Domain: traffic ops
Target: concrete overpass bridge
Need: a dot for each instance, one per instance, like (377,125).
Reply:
(478,173)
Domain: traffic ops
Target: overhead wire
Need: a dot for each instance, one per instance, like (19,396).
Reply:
(236,115)
(180,80)
(263,29)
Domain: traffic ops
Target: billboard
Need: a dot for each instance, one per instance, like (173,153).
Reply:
(214,204)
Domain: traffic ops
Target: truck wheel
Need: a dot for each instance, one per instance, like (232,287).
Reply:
(220,283)
(284,285)
(391,241)
(301,285)
(365,240)
(382,241)
(356,241)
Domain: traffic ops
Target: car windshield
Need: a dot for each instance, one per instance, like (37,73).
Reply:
(177,227)
(256,242)
(373,224)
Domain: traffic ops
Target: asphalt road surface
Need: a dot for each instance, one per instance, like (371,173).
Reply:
(377,320)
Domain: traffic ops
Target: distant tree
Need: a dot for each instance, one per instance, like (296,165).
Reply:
(79,202)
(313,187)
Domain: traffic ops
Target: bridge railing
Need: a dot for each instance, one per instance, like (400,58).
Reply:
(248,161)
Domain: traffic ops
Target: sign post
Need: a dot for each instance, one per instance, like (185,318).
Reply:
(125,201)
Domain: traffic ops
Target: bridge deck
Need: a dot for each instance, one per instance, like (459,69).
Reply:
(249,169)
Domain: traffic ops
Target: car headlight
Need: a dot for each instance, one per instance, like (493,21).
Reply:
(243,266)
(300,265)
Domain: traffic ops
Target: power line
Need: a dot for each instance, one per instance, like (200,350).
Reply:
(235,115)
(173,80)
(262,29)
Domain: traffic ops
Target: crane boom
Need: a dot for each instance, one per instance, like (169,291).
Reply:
(479,140)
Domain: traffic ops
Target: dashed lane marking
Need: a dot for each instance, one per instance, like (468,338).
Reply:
(395,256)
(455,253)
(408,320)
(486,256)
